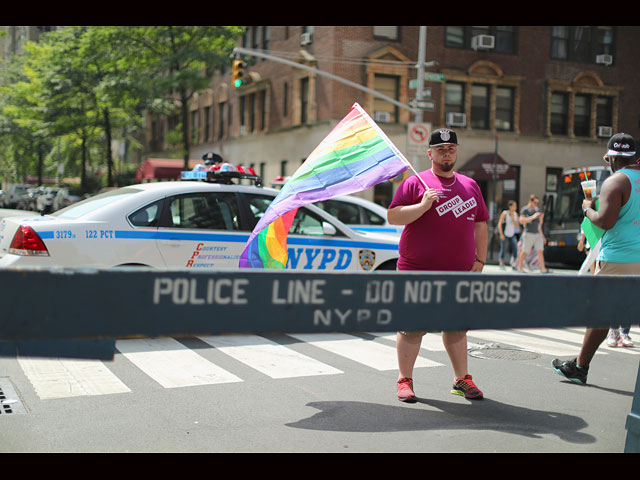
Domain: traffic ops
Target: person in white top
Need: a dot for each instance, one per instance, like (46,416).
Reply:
(508,225)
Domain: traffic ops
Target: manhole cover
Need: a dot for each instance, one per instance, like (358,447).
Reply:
(502,353)
(9,401)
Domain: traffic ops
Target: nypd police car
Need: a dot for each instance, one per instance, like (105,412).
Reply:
(183,224)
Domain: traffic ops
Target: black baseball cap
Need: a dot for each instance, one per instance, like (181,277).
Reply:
(443,136)
(621,144)
(211,157)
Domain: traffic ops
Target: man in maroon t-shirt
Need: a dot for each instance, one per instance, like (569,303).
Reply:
(445,230)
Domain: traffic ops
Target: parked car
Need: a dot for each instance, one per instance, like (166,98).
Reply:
(13,195)
(44,203)
(27,201)
(65,197)
(185,224)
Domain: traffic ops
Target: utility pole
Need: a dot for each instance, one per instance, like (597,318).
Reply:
(422,46)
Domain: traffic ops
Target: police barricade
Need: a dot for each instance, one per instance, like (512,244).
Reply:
(65,312)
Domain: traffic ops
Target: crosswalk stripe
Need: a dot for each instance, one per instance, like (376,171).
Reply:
(370,353)
(575,337)
(270,358)
(172,364)
(61,378)
(544,346)
(431,342)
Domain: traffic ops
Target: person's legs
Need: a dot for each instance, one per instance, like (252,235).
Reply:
(407,348)
(540,253)
(593,337)
(455,343)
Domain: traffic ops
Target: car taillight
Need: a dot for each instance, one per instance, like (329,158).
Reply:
(27,242)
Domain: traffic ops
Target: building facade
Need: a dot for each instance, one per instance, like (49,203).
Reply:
(526,101)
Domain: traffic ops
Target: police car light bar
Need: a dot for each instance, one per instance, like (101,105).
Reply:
(219,177)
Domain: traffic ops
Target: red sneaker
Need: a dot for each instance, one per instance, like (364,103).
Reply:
(465,386)
(405,390)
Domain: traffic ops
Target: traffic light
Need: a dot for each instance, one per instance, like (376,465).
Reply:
(238,74)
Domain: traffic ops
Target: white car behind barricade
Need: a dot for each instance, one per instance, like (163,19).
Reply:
(360,214)
(186,224)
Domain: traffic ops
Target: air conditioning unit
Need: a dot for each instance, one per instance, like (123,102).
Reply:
(483,42)
(455,119)
(306,38)
(605,131)
(604,59)
(383,117)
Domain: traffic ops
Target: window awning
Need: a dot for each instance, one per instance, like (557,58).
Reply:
(163,169)
(480,167)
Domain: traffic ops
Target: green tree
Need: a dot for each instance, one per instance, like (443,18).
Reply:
(180,61)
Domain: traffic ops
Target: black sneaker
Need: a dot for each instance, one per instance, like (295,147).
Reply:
(571,370)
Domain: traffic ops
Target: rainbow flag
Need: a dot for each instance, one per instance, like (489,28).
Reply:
(354,156)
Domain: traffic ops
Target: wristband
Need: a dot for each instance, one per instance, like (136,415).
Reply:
(480,261)
(584,212)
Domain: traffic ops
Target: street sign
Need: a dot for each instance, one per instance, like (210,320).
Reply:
(418,138)
(434,77)
(422,104)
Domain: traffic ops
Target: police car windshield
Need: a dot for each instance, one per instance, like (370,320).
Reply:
(83,207)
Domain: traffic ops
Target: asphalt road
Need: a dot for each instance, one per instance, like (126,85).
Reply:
(527,407)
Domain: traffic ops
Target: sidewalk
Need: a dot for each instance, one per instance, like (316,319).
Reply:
(509,271)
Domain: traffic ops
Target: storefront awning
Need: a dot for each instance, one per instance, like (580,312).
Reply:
(480,167)
(163,169)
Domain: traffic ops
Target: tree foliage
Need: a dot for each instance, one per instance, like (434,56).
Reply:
(82,87)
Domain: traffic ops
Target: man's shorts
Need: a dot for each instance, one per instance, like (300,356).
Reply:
(612,268)
(531,240)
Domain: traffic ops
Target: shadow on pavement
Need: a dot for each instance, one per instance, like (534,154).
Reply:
(347,416)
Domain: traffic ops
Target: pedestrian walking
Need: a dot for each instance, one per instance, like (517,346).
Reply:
(507,225)
(531,218)
(445,218)
(618,214)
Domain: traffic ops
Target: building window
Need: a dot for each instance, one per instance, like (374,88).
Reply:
(504,108)
(263,110)
(559,113)
(505,38)
(582,116)
(581,43)
(252,112)
(454,98)
(207,124)
(221,119)
(480,107)
(604,112)
(242,107)
(285,100)
(304,100)
(386,33)
(384,111)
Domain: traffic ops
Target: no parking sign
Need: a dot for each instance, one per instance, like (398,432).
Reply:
(418,138)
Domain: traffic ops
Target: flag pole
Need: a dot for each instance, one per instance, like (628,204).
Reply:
(391,144)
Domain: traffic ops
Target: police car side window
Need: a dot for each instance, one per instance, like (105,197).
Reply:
(147,216)
(373,218)
(304,223)
(210,211)
(347,213)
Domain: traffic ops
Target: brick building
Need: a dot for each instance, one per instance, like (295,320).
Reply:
(544,98)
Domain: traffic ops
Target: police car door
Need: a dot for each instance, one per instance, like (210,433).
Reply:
(200,230)
(310,245)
